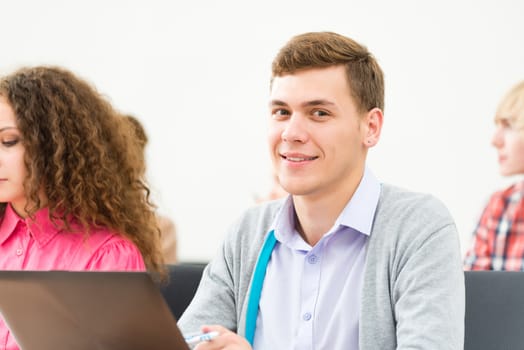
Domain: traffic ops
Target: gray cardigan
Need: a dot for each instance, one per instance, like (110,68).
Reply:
(413,290)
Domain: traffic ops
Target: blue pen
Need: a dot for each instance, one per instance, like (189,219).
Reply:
(195,339)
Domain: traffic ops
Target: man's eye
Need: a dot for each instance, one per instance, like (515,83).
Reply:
(506,124)
(320,113)
(280,112)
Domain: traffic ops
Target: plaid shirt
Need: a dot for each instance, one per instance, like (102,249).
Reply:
(498,242)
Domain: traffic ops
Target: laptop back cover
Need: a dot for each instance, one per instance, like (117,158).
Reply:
(49,310)
(494,310)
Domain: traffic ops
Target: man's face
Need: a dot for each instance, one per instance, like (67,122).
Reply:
(508,139)
(317,137)
(12,168)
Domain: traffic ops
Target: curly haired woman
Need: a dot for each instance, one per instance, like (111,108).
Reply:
(72,193)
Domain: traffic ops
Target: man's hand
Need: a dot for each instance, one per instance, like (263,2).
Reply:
(226,340)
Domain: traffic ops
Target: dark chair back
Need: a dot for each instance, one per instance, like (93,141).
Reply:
(494,310)
(182,285)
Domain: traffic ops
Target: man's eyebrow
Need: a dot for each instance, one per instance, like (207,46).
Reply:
(277,103)
(319,102)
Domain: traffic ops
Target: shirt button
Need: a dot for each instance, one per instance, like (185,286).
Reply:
(306,316)
(19,251)
(312,259)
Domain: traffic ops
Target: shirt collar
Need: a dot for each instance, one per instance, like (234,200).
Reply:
(9,222)
(41,228)
(358,213)
(284,223)
(360,210)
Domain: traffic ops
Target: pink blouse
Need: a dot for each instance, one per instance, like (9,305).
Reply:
(40,245)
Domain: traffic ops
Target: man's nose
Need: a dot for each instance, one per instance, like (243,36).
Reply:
(498,137)
(295,129)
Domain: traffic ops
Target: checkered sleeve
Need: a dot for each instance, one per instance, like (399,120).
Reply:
(498,242)
(479,255)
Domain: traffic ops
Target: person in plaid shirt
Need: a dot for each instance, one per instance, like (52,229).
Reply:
(498,242)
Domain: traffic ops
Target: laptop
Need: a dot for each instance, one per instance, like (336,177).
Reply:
(494,310)
(50,310)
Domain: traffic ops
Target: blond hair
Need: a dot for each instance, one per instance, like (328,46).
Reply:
(511,107)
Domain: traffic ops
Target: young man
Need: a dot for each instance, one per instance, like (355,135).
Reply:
(344,262)
(498,242)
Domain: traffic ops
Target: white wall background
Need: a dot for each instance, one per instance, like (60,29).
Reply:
(196,73)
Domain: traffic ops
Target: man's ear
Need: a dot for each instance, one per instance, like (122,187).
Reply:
(373,125)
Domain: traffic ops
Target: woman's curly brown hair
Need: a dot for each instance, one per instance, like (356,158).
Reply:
(82,155)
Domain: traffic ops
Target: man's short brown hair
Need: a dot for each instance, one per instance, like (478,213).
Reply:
(325,49)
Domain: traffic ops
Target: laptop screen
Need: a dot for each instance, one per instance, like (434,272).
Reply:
(49,310)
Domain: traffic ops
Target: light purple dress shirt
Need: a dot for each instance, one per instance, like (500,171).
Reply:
(311,295)
(40,245)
